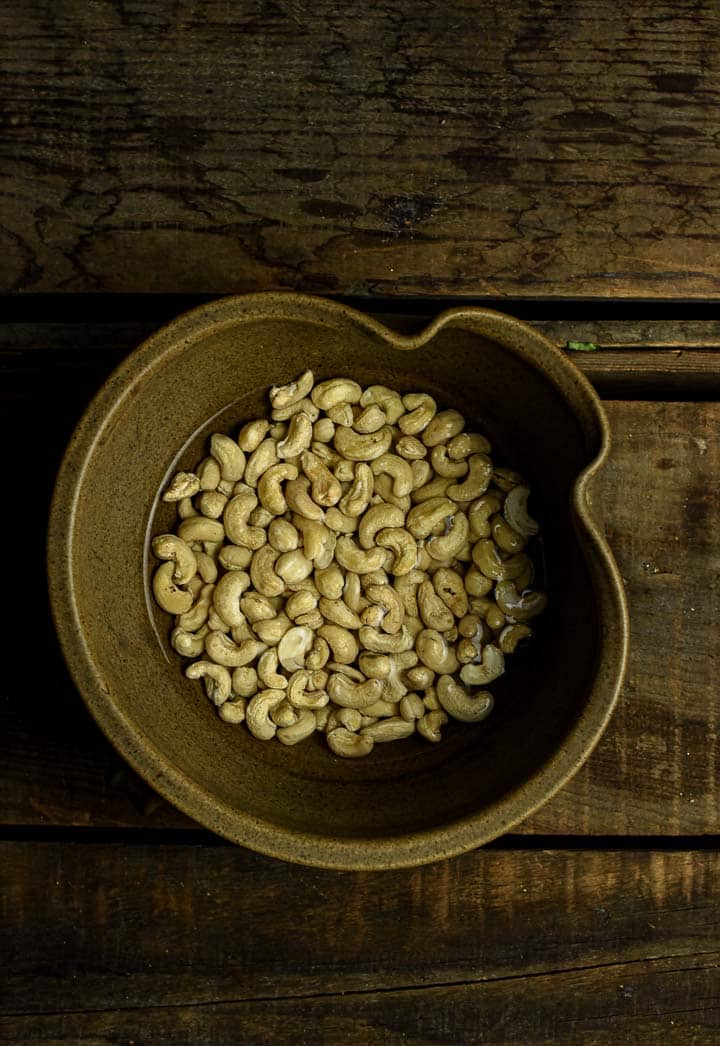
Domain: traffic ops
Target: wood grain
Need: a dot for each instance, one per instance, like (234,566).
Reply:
(655,770)
(491,946)
(456,148)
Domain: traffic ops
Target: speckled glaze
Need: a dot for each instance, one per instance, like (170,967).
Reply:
(409,802)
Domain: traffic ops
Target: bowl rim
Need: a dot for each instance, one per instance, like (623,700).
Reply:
(355,853)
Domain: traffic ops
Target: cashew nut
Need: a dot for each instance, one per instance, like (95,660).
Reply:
(257,713)
(430,725)
(264,455)
(229,457)
(433,610)
(385,642)
(270,490)
(507,539)
(385,596)
(285,395)
(216,678)
(476,481)
(516,513)
(428,514)
(271,632)
(347,694)
(358,496)
(297,494)
(171,547)
(447,546)
(516,606)
(433,650)
(335,390)
(235,519)
(387,399)
(200,528)
(411,707)
(282,414)
(252,434)
(234,557)
(362,447)
(262,572)
(379,517)
(458,703)
(398,469)
(326,490)
(323,430)
(444,466)
(450,588)
(305,725)
(293,647)
(168,595)
(411,448)
(337,612)
(511,636)
(283,536)
(341,641)
(300,695)
(190,644)
(374,666)
(358,560)
(349,745)
(329,581)
(293,567)
(421,410)
(393,729)
(183,485)
(487,557)
(444,426)
(221,649)
(370,419)
(488,669)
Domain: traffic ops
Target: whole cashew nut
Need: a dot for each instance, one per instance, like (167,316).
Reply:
(257,713)
(347,694)
(335,390)
(264,455)
(267,671)
(171,547)
(428,514)
(285,395)
(305,725)
(169,596)
(421,410)
(294,646)
(337,612)
(516,606)
(516,513)
(235,518)
(362,447)
(251,435)
(411,448)
(378,517)
(297,494)
(358,496)
(383,642)
(459,704)
(444,426)
(200,528)
(393,729)
(262,572)
(447,546)
(349,745)
(221,649)
(385,596)
(387,399)
(216,678)
(467,443)
(183,485)
(270,490)
(399,471)
(358,560)
(190,644)
(326,490)
(341,641)
(476,482)
(227,594)
(370,419)
(430,725)
(444,466)
(511,636)
(283,536)
(450,588)
(403,545)
(433,610)
(229,456)
(433,650)
(491,666)
(486,556)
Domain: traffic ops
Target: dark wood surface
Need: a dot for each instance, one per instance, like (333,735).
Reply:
(414,147)
(557,160)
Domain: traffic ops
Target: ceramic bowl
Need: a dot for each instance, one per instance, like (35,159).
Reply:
(409,802)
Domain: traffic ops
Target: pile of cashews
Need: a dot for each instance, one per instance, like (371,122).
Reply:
(354,565)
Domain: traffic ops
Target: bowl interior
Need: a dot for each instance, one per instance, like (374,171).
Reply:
(212,381)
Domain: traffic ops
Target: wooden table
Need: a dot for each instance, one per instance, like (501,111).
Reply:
(556,160)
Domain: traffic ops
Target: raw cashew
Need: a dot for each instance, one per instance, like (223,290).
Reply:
(383,642)
(358,496)
(285,395)
(358,447)
(433,610)
(374,666)
(227,594)
(221,649)
(411,448)
(347,694)
(194,618)
(323,430)
(191,644)
(337,612)
(370,420)
(511,635)
(335,390)
(387,399)
(459,704)
(516,513)
(398,469)
(421,473)
(349,745)
(467,443)
(212,503)
(450,588)
(411,707)
(476,481)
(245,681)
(229,456)
(444,426)
(330,581)
(282,414)
(491,666)
(285,715)
(379,517)
(291,735)
(516,606)
(256,607)
(447,546)
(444,466)
(168,595)
(383,491)
(235,519)
(403,544)
(341,641)
(293,647)
(350,718)
(297,494)
(339,522)
(186,509)
(486,556)
(341,414)
(251,435)
(423,518)
(433,650)
(430,725)
(476,584)
(183,485)
(326,490)
(171,547)
(507,539)
(200,528)
(480,512)
(270,490)
(385,596)
(344,471)
(293,567)
(357,560)
(434,488)
(421,410)
(235,557)
(283,536)
(262,572)
(233,711)
(393,729)
(267,671)
(264,455)
(301,602)
(420,677)
(318,654)
(217,680)
(300,695)
(257,713)
(271,632)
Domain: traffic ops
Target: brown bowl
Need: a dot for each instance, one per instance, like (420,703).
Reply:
(408,802)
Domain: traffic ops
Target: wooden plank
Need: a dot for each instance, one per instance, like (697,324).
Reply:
(603,935)
(655,769)
(418,148)
(658,1001)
